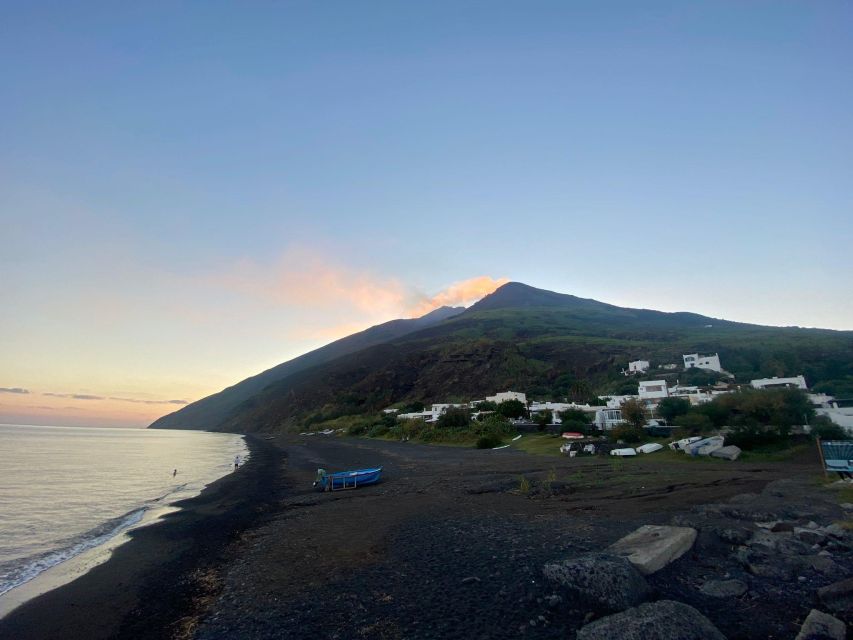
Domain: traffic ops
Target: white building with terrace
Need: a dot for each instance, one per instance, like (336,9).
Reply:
(653,390)
(694,360)
(504,396)
(797,382)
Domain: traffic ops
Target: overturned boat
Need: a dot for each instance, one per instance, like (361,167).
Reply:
(623,452)
(678,445)
(705,446)
(651,447)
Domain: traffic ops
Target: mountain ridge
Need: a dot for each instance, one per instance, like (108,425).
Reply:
(216,407)
(519,336)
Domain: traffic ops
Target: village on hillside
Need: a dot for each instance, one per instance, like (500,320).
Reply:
(609,415)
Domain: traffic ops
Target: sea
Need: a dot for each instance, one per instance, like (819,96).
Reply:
(65,491)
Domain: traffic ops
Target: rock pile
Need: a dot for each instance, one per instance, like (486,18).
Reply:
(789,542)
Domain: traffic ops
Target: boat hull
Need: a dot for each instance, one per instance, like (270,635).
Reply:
(350,479)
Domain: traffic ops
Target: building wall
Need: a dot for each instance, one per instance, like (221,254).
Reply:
(798,382)
(702,362)
(638,366)
(507,395)
(842,416)
(607,419)
(653,390)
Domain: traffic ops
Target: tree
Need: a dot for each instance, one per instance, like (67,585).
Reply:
(544,419)
(413,407)
(578,427)
(579,391)
(487,405)
(627,433)
(634,413)
(512,409)
(454,418)
(669,408)
(695,422)
(825,429)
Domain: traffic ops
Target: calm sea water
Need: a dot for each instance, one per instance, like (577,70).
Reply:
(65,490)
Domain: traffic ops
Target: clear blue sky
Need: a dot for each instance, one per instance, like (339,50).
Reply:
(198,188)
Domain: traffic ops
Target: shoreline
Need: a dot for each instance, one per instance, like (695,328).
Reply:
(153,579)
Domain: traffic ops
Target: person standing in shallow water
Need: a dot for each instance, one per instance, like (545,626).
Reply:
(236,462)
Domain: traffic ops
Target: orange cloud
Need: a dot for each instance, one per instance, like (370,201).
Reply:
(305,279)
(461,293)
(327,300)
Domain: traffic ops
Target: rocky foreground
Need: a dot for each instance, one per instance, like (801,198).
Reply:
(455,544)
(785,545)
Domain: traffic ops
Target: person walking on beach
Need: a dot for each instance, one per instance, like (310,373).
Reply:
(174,473)
(236,462)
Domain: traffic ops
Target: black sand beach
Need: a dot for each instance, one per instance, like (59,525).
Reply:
(152,585)
(450,545)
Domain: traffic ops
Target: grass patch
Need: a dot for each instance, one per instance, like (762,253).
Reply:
(774,454)
(540,444)
(845,494)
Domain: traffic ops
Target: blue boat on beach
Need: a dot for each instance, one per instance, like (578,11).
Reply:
(347,479)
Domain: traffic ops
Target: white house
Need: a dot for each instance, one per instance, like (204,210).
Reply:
(638,366)
(429,415)
(798,382)
(556,408)
(694,395)
(614,402)
(507,395)
(842,416)
(653,390)
(607,419)
(711,363)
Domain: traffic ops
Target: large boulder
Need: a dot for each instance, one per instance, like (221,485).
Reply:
(662,620)
(601,582)
(651,547)
(838,597)
(822,626)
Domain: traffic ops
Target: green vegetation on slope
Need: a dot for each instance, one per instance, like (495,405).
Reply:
(545,344)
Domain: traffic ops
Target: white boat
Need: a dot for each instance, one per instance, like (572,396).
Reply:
(705,446)
(649,448)
(678,445)
(623,452)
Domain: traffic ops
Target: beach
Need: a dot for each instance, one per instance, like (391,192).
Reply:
(451,544)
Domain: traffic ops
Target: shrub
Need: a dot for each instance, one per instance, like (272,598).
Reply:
(576,415)
(454,418)
(377,431)
(577,426)
(489,441)
(670,408)
(512,409)
(357,429)
(695,422)
(627,433)
(825,429)
(754,437)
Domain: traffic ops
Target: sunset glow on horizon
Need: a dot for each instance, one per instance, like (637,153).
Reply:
(191,194)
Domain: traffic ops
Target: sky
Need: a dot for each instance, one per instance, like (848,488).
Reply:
(193,192)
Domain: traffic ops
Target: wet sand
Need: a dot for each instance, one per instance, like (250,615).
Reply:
(151,585)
